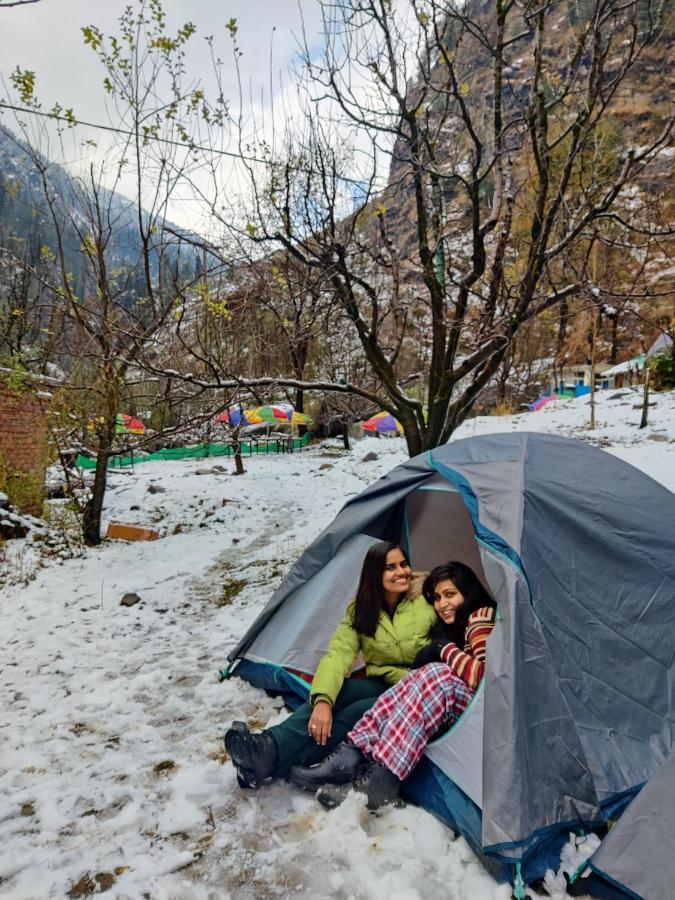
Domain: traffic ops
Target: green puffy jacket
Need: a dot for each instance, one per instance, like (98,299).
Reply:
(388,654)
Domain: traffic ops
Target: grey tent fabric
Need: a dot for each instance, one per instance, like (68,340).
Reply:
(577,548)
(529,737)
(638,851)
(354,518)
(297,641)
(601,565)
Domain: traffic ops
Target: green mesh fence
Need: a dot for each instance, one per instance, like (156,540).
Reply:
(201,451)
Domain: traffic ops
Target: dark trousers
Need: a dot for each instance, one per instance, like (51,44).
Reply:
(294,745)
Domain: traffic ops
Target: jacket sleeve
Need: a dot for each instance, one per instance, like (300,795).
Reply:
(470,666)
(337,661)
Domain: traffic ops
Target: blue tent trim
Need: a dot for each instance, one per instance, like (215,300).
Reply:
(611,889)
(431,789)
(490,538)
(276,680)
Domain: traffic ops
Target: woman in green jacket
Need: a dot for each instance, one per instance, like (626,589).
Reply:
(385,626)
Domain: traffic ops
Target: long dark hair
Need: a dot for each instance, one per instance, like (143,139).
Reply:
(467,583)
(370,600)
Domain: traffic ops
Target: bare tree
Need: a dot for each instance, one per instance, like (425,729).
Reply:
(115,309)
(505,160)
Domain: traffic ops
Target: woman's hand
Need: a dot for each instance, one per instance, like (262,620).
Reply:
(430,653)
(320,726)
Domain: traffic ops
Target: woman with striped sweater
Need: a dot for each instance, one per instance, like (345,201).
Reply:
(388,740)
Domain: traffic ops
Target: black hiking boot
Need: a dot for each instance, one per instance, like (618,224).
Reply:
(339,767)
(254,756)
(380,786)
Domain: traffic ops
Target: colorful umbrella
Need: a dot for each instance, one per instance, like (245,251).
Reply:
(128,425)
(382,422)
(277,413)
(234,416)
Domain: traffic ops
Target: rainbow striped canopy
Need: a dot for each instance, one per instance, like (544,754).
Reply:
(382,422)
(277,413)
(125,424)
(233,416)
(542,401)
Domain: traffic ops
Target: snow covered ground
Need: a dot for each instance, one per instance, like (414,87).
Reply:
(112,772)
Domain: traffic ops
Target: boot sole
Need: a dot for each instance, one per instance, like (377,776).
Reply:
(238,749)
(239,752)
(330,802)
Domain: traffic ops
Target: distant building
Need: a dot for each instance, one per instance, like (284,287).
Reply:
(578,375)
(624,374)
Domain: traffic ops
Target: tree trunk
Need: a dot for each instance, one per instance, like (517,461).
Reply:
(91,520)
(594,341)
(345,436)
(238,460)
(614,354)
(300,407)
(562,326)
(645,398)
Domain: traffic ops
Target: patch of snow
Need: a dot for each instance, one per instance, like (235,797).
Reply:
(112,717)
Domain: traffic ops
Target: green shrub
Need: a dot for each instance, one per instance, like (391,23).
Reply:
(662,371)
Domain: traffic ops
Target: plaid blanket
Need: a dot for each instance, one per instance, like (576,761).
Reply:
(395,731)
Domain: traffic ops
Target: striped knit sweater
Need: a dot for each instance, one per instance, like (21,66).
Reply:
(469,663)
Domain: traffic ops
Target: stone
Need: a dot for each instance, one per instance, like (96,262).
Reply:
(370,457)
(130,599)
(325,466)
(206,472)
(654,436)
(156,489)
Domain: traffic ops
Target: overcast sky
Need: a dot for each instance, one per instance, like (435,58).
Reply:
(46,37)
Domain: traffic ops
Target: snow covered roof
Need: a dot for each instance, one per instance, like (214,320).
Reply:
(634,364)
(660,345)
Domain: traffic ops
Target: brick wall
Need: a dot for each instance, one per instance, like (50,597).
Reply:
(23,448)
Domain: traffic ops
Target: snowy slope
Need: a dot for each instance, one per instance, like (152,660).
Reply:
(112,774)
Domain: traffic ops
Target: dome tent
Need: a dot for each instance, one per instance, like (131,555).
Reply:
(577,708)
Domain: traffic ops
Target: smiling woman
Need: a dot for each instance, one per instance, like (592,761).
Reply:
(383,624)
(388,740)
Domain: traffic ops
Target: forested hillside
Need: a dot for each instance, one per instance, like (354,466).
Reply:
(29,243)
(26,226)
(638,106)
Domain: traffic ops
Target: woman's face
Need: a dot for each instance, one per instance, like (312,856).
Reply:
(447,600)
(396,575)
